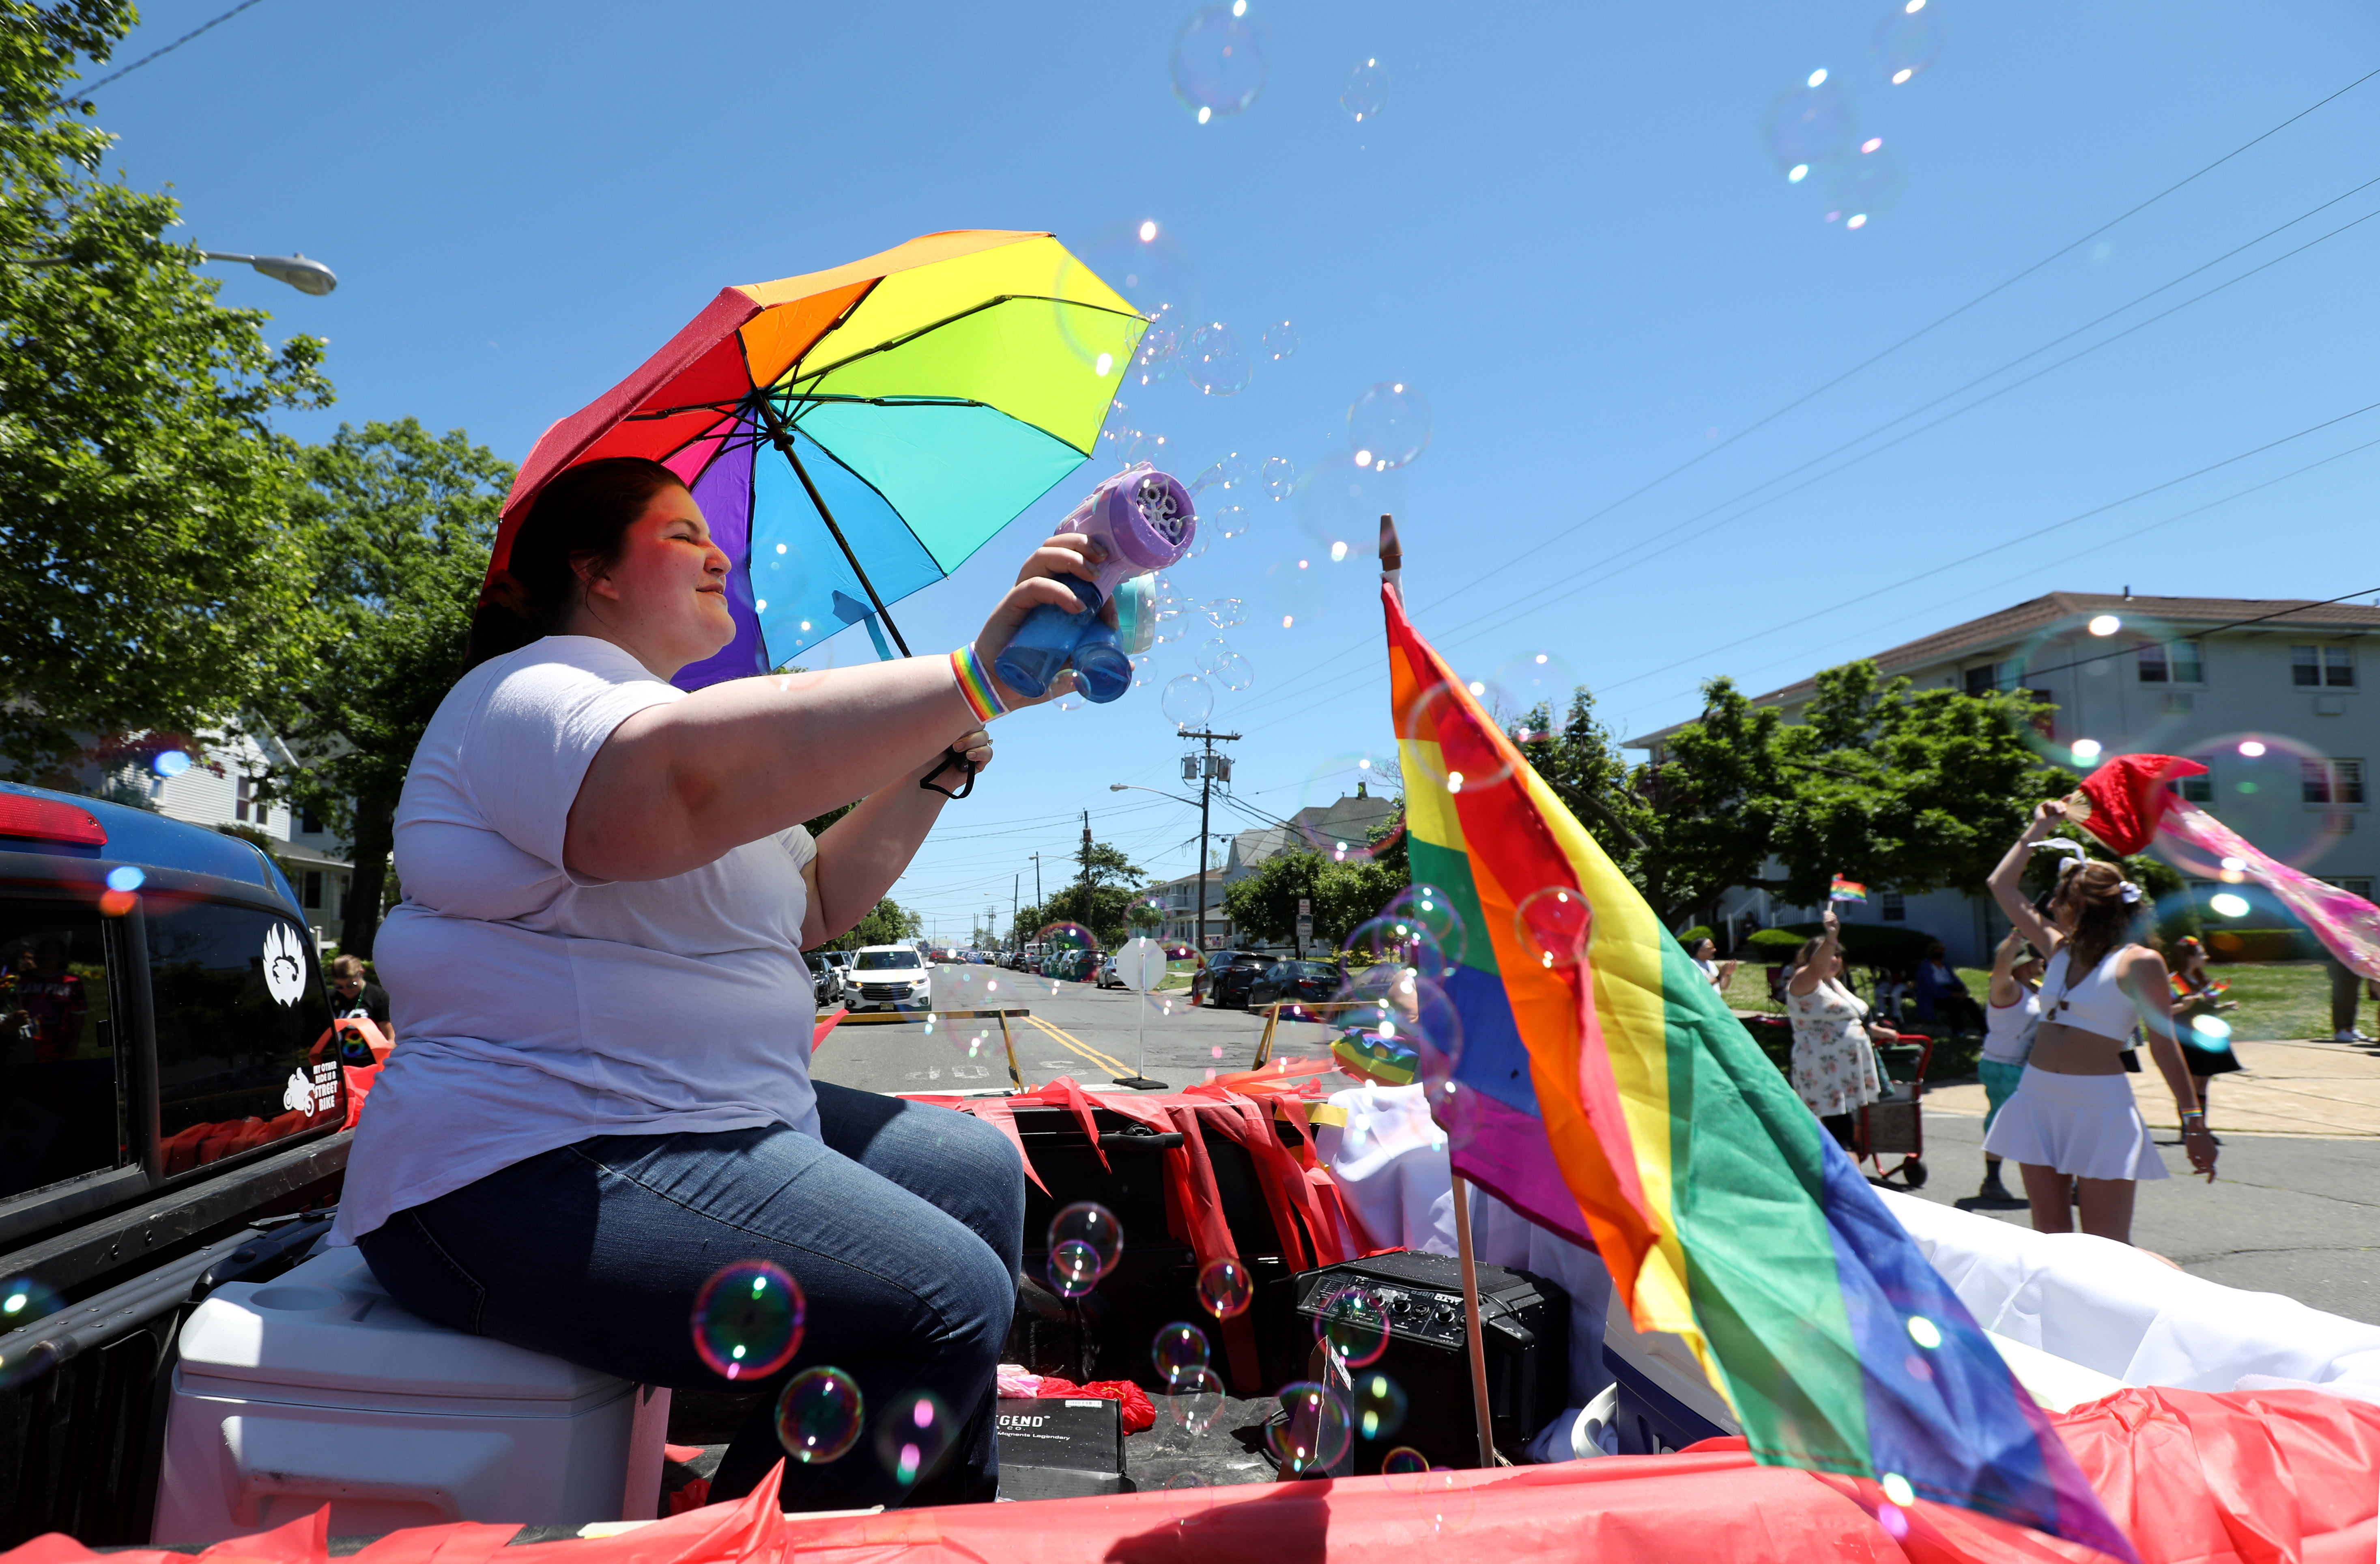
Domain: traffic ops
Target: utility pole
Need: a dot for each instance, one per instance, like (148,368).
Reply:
(1036,881)
(1015,939)
(1207,769)
(1083,900)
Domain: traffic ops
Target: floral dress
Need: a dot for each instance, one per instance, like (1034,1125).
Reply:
(1834,1062)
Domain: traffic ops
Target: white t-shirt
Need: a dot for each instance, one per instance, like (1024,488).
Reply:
(539,1008)
(2009,1029)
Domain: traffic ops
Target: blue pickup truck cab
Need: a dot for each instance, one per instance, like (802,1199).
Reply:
(171,1096)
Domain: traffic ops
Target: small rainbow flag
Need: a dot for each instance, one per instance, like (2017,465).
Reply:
(1841,890)
(1604,1091)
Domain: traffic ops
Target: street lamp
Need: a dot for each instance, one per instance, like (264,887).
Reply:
(305,275)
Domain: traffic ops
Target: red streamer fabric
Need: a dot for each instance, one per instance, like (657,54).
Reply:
(2239,1478)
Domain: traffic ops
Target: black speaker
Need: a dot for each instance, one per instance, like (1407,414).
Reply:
(1525,1329)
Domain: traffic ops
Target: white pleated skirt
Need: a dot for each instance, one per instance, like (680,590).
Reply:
(2084,1126)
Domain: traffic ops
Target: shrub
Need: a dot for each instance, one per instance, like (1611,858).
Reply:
(1774,944)
(1866,944)
(2262,944)
(1699,931)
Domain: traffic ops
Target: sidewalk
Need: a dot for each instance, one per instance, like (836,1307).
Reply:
(2302,1089)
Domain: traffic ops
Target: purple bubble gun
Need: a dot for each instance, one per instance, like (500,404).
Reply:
(1143,518)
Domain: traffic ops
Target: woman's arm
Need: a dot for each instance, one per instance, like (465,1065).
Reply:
(2006,989)
(861,855)
(2005,878)
(1805,981)
(677,785)
(2143,977)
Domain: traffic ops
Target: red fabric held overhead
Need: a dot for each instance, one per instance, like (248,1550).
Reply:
(2127,796)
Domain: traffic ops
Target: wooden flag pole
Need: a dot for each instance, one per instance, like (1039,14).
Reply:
(1392,561)
(1471,1322)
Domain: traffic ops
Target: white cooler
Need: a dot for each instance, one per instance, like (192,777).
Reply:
(318,1389)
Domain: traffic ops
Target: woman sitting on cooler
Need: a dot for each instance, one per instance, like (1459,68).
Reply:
(605,1098)
(2072,1119)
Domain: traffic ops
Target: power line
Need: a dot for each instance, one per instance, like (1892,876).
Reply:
(155,54)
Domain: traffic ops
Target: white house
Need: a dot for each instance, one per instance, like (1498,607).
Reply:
(1346,823)
(2267,694)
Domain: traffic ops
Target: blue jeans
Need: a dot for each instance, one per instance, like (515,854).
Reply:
(905,1230)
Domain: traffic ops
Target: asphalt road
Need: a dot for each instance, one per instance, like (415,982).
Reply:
(2298,1215)
(1073,1029)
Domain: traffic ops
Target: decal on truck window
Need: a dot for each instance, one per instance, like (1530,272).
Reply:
(284,964)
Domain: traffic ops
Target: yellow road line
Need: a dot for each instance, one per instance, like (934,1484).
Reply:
(1082,1047)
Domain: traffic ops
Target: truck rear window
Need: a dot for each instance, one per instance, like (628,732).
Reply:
(245,1053)
(59,1113)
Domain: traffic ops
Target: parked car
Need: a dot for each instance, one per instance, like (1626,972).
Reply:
(888,978)
(841,962)
(1296,980)
(826,980)
(1228,977)
(1069,962)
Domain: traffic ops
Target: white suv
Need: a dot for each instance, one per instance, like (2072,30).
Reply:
(888,977)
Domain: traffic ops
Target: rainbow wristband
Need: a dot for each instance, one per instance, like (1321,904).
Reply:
(975,685)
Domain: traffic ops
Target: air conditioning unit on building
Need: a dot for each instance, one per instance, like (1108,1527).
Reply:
(2177,702)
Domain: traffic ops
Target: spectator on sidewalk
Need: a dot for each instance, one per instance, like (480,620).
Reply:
(1706,962)
(2197,996)
(1834,1057)
(1941,995)
(2347,989)
(354,996)
(2009,1027)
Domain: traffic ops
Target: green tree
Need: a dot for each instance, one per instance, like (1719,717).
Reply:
(402,521)
(888,923)
(1097,900)
(1916,789)
(153,574)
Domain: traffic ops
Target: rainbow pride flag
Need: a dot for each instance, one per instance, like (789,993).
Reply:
(1606,1093)
(1841,890)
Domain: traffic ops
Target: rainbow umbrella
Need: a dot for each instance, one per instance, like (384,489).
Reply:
(855,434)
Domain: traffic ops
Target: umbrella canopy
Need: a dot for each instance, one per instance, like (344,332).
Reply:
(855,434)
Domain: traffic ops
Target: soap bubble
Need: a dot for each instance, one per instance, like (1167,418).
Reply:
(1146,446)
(1071,701)
(170,762)
(1380,1407)
(1159,347)
(1387,426)
(1290,594)
(1430,913)
(1906,41)
(1224,1288)
(818,1415)
(1279,340)
(1144,914)
(1552,923)
(1807,125)
(1195,1399)
(1446,1500)
(1073,1270)
(1314,1432)
(1406,1462)
(1279,477)
(1866,188)
(1226,667)
(1180,1350)
(1219,62)
(747,1320)
(24,1300)
(1227,613)
(1441,714)
(1213,360)
(1093,1225)
(1537,678)
(1355,1320)
(1140,674)
(2211,1028)
(1333,817)
(1188,701)
(1364,91)
(913,1435)
(1140,259)
(1399,1026)
(1228,519)
(1213,652)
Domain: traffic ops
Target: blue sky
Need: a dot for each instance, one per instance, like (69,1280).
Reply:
(1562,230)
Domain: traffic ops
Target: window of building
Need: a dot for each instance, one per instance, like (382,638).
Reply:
(241,795)
(58,1084)
(2194,790)
(1894,909)
(2171,662)
(1993,676)
(309,892)
(2312,667)
(309,820)
(2331,782)
(2355,885)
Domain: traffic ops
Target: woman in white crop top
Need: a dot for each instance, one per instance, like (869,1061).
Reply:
(2072,1119)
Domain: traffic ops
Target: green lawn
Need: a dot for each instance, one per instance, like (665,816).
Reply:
(2278,1000)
